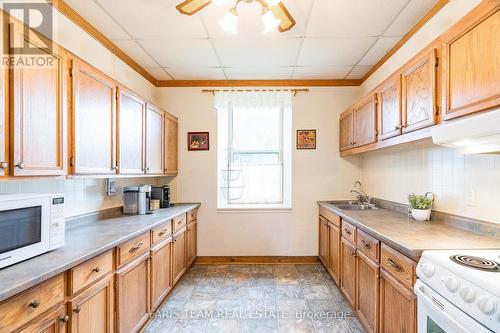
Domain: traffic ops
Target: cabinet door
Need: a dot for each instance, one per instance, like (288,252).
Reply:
(93,122)
(171,144)
(365,115)
(53,321)
(39,115)
(132,295)
(161,273)
(93,310)
(131,127)
(334,252)
(323,241)
(390,122)
(191,246)
(398,306)
(4,121)
(346,130)
(348,270)
(419,93)
(178,256)
(367,292)
(154,140)
(471,64)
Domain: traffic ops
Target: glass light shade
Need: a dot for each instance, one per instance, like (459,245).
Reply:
(273,2)
(219,2)
(270,22)
(230,23)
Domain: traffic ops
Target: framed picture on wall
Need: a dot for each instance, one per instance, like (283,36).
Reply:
(198,141)
(306,139)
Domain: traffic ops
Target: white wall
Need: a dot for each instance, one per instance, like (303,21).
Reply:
(316,175)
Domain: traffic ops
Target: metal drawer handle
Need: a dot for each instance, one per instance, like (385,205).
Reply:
(137,247)
(4,165)
(35,304)
(97,269)
(368,246)
(77,310)
(393,264)
(353,253)
(347,231)
(64,319)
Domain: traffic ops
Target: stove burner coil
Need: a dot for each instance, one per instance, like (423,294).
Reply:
(477,263)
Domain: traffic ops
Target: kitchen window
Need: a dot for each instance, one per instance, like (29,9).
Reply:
(254,150)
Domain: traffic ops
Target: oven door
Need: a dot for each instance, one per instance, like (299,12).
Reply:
(24,229)
(437,315)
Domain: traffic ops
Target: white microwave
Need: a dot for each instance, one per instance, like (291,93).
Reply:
(30,224)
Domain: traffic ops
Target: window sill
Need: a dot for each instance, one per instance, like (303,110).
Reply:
(255,209)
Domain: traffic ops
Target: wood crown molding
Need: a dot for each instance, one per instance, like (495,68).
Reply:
(76,18)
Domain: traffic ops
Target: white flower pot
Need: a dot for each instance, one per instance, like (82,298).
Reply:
(421,214)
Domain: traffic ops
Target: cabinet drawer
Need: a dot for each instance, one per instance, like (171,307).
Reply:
(90,271)
(368,245)
(28,305)
(349,232)
(179,222)
(399,266)
(133,248)
(162,232)
(192,215)
(329,215)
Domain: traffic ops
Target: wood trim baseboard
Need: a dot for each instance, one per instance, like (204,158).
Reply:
(259,83)
(257,260)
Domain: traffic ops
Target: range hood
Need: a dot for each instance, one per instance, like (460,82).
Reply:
(478,134)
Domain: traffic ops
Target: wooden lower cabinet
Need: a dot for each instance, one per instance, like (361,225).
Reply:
(178,256)
(333,266)
(348,270)
(191,243)
(54,321)
(323,240)
(161,274)
(93,310)
(367,292)
(132,295)
(398,306)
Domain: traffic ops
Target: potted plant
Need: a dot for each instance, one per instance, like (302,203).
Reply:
(421,206)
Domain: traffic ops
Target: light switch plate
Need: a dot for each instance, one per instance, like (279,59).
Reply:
(110,187)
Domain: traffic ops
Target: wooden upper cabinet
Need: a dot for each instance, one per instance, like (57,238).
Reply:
(39,113)
(346,130)
(4,121)
(131,128)
(171,144)
(471,63)
(364,118)
(154,140)
(93,122)
(419,98)
(389,103)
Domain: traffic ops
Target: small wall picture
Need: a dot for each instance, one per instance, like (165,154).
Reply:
(198,141)
(306,139)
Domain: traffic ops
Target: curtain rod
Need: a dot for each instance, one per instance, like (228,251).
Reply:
(213,91)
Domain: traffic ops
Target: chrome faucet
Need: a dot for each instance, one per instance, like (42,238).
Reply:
(361,194)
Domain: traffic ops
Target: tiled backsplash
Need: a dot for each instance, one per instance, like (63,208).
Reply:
(465,185)
(82,196)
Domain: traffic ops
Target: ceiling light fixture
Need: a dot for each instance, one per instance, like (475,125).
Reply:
(274,14)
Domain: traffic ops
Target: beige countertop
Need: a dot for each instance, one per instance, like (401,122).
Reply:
(412,237)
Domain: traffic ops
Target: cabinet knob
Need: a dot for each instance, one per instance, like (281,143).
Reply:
(64,319)
(399,127)
(35,304)
(77,310)
(4,165)
(20,165)
(97,269)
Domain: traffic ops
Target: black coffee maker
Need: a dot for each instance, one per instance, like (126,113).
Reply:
(161,193)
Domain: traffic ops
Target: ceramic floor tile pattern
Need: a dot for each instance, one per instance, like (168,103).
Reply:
(255,298)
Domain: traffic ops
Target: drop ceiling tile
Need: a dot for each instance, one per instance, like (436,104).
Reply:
(353,18)
(259,73)
(378,50)
(255,53)
(197,73)
(332,73)
(99,18)
(154,19)
(181,53)
(159,74)
(358,72)
(320,52)
(415,10)
(250,24)
(134,50)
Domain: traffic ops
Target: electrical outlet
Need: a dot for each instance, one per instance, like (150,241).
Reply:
(110,187)
(471,198)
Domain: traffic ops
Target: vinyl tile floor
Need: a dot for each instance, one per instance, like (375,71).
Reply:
(255,298)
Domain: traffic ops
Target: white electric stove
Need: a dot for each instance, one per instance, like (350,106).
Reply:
(459,291)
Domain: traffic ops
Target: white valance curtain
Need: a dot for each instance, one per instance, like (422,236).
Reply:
(253,99)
